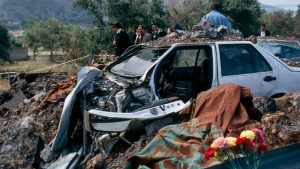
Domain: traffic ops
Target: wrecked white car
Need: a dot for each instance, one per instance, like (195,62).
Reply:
(149,83)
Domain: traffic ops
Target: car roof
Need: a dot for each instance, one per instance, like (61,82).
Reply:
(276,40)
(211,43)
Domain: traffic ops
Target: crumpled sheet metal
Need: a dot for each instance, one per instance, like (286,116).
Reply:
(85,75)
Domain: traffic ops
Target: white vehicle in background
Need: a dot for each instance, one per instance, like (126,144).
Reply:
(284,49)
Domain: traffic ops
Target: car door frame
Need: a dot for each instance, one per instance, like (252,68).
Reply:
(254,81)
(171,50)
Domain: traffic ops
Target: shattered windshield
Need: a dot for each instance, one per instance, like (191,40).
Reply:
(138,61)
(288,51)
(281,49)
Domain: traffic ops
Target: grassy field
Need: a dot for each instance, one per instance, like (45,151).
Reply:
(37,66)
(43,63)
(4,85)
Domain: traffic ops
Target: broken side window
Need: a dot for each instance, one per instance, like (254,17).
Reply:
(185,58)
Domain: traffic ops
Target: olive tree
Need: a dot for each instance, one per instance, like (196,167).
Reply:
(188,12)
(33,37)
(50,35)
(279,22)
(4,44)
(93,7)
(243,14)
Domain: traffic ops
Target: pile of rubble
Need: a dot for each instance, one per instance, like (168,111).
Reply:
(30,118)
(30,124)
(202,32)
(281,119)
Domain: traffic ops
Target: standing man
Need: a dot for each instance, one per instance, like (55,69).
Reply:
(157,32)
(216,18)
(141,35)
(263,31)
(121,41)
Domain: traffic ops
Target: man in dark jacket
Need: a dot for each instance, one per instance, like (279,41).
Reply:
(121,41)
(263,31)
(157,31)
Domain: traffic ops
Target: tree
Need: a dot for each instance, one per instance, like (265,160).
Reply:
(33,36)
(243,14)
(4,44)
(76,41)
(94,7)
(297,23)
(279,22)
(141,11)
(50,35)
(188,12)
(159,13)
(79,41)
(118,11)
(16,41)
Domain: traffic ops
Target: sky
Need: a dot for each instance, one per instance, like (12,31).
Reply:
(290,4)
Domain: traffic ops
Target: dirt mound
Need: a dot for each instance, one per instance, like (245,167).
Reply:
(30,123)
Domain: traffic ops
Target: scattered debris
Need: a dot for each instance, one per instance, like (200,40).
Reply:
(281,122)
(15,101)
(203,32)
(281,129)
(21,143)
(25,130)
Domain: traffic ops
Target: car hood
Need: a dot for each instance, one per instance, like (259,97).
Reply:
(130,68)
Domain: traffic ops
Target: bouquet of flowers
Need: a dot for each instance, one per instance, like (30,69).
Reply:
(240,152)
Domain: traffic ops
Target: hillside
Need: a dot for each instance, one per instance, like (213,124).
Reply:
(15,13)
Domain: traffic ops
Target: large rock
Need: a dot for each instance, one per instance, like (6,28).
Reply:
(265,104)
(20,144)
(281,129)
(289,103)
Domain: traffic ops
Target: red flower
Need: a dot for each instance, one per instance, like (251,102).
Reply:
(209,153)
(262,147)
(245,142)
(241,141)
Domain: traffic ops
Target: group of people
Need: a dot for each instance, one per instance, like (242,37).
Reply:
(122,40)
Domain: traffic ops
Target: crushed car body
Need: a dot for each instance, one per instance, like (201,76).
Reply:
(150,82)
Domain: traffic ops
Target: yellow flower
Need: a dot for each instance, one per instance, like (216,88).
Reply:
(231,141)
(248,134)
